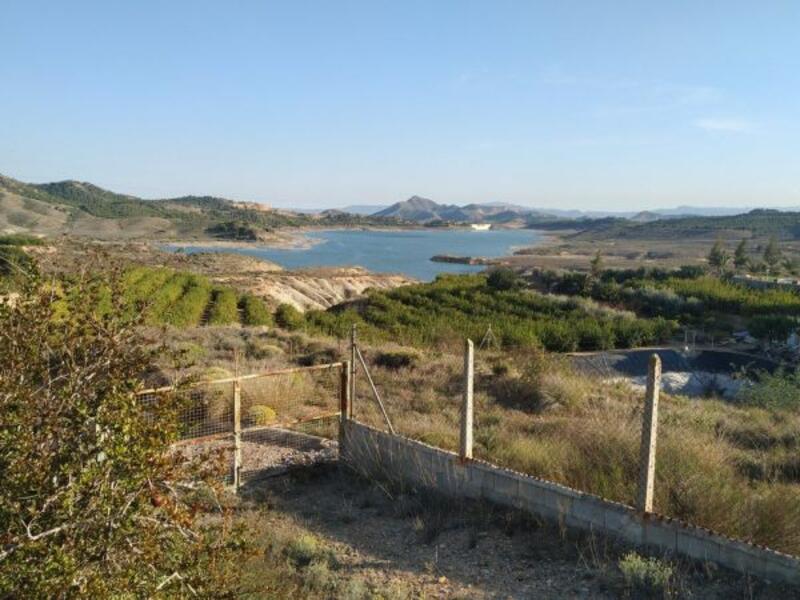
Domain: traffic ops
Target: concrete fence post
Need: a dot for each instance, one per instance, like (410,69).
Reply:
(352,368)
(237,433)
(344,403)
(647,456)
(467,404)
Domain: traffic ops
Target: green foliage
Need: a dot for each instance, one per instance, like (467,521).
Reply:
(233,230)
(184,299)
(224,307)
(93,503)
(20,239)
(718,256)
(741,260)
(288,317)
(15,267)
(646,577)
(502,278)
(188,309)
(772,254)
(779,390)
(772,327)
(261,414)
(254,311)
(456,306)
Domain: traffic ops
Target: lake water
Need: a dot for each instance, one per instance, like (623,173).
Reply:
(404,251)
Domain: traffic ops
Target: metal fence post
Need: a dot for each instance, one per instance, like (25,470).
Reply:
(237,433)
(467,405)
(647,456)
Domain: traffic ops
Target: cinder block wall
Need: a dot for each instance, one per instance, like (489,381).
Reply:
(377,453)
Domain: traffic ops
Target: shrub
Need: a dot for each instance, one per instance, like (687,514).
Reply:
(224,307)
(397,359)
(305,549)
(71,425)
(254,311)
(502,278)
(288,317)
(261,414)
(189,308)
(645,577)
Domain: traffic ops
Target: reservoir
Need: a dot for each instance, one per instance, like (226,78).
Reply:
(405,251)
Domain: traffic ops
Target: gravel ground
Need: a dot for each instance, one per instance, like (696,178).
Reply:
(267,451)
(442,549)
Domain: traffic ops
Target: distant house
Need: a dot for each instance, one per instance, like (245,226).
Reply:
(481,226)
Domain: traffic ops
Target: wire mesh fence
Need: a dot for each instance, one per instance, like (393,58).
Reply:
(261,423)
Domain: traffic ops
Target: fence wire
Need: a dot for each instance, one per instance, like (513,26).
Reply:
(287,418)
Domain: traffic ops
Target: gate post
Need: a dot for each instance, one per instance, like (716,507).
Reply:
(467,404)
(237,433)
(647,457)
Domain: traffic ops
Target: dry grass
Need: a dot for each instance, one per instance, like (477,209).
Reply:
(725,467)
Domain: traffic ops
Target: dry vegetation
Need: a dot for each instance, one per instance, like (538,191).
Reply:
(729,468)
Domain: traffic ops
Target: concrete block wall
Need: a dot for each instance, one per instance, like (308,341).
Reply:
(376,453)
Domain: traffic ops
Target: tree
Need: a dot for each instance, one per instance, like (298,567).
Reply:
(772,254)
(740,258)
(94,503)
(502,278)
(288,317)
(596,265)
(718,257)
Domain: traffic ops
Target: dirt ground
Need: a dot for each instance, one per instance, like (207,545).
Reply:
(435,548)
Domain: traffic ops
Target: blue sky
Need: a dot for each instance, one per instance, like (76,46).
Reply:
(592,105)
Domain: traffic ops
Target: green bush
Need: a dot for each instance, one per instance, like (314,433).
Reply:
(72,423)
(189,308)
(646,577)
(261,414)
(224,307)
(502,278)
(288,317)
(254,311)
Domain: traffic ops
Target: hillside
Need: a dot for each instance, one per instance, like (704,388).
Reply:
(85,209)
(756,223)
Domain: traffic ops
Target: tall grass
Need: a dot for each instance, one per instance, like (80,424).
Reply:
(722,466)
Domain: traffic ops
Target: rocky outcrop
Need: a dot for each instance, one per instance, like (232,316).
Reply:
(315,288)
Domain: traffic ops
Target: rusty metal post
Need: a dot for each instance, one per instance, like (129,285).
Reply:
(467,404)
(647,456)
(237,433)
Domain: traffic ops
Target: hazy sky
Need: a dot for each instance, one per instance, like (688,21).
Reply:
(592,105)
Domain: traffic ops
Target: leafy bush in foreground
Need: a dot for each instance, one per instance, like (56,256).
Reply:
(93,504)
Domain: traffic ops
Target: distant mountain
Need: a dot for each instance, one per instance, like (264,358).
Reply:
(424,210)
(363,209)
